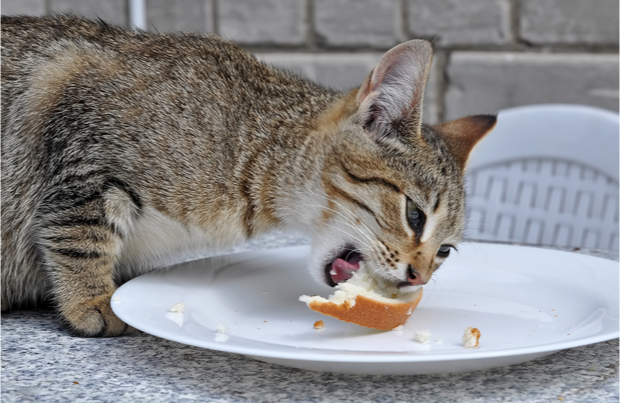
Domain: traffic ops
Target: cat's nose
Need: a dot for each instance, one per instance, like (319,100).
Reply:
(414,277)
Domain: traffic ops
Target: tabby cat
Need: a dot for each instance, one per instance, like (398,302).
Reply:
(122,150)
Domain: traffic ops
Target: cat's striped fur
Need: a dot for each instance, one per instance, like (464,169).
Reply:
(123,150)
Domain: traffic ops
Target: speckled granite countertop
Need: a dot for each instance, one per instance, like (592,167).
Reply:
(41,362)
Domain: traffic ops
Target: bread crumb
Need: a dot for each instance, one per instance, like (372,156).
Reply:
(471,337)
(178,308)
(319,324)
(422,336)
(560,398)
(221,328)
(116,298)
(221,337)
(220,333)
(399,327)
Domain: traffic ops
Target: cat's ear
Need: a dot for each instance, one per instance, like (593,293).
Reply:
(461,135)
(395,88)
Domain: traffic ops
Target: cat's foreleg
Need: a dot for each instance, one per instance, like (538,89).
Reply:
(81,237)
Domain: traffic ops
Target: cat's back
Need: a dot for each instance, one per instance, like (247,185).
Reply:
(30,41)
(104,62)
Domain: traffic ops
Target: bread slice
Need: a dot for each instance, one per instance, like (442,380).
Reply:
(366,302)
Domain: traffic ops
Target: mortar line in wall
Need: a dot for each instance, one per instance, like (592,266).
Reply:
(214,19)
(128,14)
(536,48)
(515,30)
(540,50)
(441,82)
(404,19)
(310,37)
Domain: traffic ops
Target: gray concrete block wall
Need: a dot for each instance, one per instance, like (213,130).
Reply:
(490,54)
(351,23)
(458,22)
(569,22)
(485,82)
(27,7)
(265,22)
(165,16)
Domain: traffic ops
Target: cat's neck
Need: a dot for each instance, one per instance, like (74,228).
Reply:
(299,170)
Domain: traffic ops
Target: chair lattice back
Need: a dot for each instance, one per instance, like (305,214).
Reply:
(547,175)
(543,202)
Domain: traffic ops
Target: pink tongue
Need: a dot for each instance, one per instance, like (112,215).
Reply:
(343,270)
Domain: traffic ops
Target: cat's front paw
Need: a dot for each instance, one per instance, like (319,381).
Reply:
(95,318)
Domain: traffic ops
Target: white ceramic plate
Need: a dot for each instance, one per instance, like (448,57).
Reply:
(527,303)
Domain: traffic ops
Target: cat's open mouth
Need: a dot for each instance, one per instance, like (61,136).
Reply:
(342,267)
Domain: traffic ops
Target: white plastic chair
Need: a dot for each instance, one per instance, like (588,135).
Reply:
(547,175)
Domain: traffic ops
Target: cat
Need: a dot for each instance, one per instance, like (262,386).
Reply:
(122,149)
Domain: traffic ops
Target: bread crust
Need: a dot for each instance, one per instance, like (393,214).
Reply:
(369,312)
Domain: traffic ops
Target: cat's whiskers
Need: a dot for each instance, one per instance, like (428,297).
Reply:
(369,249)
(351,224)
(369,228)
(365,230)
(352,220)
(365,245)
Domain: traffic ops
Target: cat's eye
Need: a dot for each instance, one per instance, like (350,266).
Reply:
(415,218)
(444,251)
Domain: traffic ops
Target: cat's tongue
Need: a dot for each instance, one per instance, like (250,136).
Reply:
(342,270)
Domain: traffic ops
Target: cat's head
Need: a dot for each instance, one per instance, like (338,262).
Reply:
(393,193)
